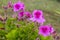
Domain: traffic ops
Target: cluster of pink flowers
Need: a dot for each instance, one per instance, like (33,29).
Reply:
(36,16)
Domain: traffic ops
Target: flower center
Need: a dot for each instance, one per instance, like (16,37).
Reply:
(17,6)
(37,14)
(44,30)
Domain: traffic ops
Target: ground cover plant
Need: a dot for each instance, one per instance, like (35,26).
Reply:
(19,23)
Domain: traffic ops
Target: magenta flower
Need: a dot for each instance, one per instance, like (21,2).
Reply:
(28,15)
(38,16)
(46,30)
(20,15)
(18,6)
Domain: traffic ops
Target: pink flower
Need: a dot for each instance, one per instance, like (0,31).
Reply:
(20,15)
(38,16)
(18,6)
(45,30)
(9,4)
(28,15)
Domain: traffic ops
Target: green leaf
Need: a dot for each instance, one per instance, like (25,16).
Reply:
(45,38)
(12,35)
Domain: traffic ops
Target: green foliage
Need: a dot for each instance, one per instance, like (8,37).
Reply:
(10,24)
(45,38)
(2,35)
(26,31)
(12,35)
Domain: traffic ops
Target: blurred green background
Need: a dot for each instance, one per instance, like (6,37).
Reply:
(51,9)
